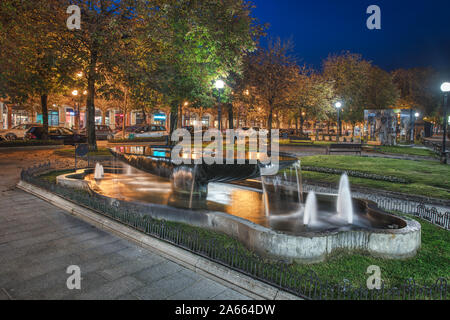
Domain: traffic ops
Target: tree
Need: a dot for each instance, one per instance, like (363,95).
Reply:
(350,75)
(313,96)
(97,47)
(272,73)
(418,89)
(381,94)
(34,59)
(196,42)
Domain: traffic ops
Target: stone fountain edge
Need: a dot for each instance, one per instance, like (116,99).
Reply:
(307,248)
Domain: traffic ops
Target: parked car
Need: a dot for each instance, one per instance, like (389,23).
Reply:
(67,136)
(17,132)
(102,132)
(144,131)
(131,129)
(150,131)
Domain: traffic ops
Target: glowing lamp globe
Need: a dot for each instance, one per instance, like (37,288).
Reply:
(445,87)
(220,84)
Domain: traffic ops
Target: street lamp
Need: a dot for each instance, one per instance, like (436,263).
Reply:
(445,88)
(220,85)
(77,108)
(338,106)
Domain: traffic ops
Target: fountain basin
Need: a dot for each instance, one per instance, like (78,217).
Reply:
(387,237)
(192,178)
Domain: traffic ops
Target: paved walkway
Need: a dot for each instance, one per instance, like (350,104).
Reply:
(39,241)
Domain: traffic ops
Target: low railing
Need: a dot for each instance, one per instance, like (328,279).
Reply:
(278,274)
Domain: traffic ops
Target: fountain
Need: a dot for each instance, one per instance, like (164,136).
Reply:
(310,213)
(266,213)
(344,200)
(99,172)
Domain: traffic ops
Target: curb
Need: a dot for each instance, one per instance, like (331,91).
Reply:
(246,285)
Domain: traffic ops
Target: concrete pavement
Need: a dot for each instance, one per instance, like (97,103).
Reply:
(39,241)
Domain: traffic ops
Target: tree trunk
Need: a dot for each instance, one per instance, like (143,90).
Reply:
(180,116)
(230,116)
(90,105)
(145,115)
(174,117)
(270,120)
(302,121)
(44,106)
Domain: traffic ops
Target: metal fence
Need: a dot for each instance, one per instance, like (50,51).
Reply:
(278,274)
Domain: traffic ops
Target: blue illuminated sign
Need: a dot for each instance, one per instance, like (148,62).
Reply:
(160,117)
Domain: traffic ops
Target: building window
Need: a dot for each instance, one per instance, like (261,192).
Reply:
(140,118)
(205,121)
(160,118)
(53,118)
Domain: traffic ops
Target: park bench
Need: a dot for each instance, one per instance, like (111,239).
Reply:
(345,147)
(301,140)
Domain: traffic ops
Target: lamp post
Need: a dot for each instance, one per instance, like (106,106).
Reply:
(77,110)
(445,88)
(413,126)
(338,106)
(219,86)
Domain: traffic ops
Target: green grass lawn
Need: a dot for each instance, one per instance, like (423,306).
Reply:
(428,178)
(405,151)
(51,176)
(317,143)
(431,263)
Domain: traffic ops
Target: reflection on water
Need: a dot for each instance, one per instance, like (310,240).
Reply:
(285,216)
(166,153)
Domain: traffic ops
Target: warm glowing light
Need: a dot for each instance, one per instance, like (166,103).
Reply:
(186,104)
(338,105)
(79,74)
(247,93)
(75,92)
(445,87)
(219,84)
(85,92)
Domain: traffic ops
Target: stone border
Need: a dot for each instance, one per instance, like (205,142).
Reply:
(230,278)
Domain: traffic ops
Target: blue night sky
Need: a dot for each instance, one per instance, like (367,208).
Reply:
(415,33)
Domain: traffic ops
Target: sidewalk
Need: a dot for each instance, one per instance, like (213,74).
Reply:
(39,241)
